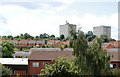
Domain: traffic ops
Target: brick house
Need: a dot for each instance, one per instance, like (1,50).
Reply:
(65,43)
(117,44)
(106,46)
(40,43)
(31,43)
(16,65)
(115,58)
(37,60)
(23,43)
(62,44)
(51,42)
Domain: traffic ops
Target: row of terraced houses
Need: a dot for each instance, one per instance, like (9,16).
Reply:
(39,57)
(26,43)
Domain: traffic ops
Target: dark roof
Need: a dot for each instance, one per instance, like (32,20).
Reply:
(46,55)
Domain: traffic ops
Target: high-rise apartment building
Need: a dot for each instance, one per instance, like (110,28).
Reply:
(65,29)
(105,30)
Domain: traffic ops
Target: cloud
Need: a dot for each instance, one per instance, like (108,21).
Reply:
(45,19)
(38,4)
(3,19)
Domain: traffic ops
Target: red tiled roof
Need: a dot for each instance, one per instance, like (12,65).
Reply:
(65,43)
(117,43)
(23,41)
(49,55)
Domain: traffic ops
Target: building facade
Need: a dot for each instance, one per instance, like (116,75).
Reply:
(65,29)
(105,30)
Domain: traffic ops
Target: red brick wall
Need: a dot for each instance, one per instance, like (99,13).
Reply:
(36,70)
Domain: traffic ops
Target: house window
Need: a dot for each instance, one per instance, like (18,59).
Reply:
(12,71)
(44,63)
(35,64)
(34,75)
(112,65)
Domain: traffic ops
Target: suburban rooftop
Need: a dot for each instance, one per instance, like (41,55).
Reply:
(46,55)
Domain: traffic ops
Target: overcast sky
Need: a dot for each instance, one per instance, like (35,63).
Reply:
(42,16)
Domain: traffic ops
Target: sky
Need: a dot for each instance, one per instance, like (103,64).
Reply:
(44,16)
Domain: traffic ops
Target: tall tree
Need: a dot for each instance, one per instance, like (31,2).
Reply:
(7,49)
(62,37)
(90,60)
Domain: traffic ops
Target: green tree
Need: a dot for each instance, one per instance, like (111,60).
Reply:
(7,49)
(45,41)
(5,70)
(60,46)
(104,38)
(52,36)
(26,36)
(47,46)
(90,60)
(43,46)
(21,48)
(89,36)
(61,68)
(62,37)
(9,36)
(66,46)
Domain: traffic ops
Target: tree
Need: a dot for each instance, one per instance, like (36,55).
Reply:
(89,36)
(47,46)
(61,68)
(21,48)
(43,46)
(60,46)
(52,36)
(66,46)
(62,37)
(26,36)
(5,70)
(9,36)
(45,41)
(90,60)
(104,38)
(7,49)
(17,36)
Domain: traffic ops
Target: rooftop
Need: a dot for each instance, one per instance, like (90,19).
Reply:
(45,49)
(14,61)
(21,53)
(46,55)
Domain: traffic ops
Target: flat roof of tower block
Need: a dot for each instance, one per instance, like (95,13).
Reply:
(14,61)
(102,26)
